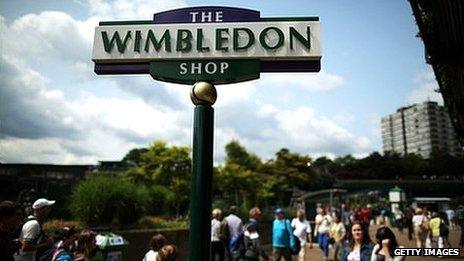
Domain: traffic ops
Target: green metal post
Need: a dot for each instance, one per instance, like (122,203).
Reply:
(202,175)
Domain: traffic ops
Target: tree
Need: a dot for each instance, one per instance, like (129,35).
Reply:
(237,154)
(134,155)
(294,168)
(237,179)
(286,172)
(165,166)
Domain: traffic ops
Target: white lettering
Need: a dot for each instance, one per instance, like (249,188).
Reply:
(407,251)
(224,66)
(206,16)
(195,67)
(219,16)
(183,68)
(208,67)
(194,16)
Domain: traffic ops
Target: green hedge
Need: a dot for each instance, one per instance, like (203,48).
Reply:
(108,200)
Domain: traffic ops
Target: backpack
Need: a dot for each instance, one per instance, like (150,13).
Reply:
(237,245)
(224,231)
(41,233)
(444,231)
(460,215)
(293,249)
(47,255)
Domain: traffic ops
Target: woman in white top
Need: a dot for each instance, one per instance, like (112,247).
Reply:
(217,247)
(359,244)
(156,243)
(419,222)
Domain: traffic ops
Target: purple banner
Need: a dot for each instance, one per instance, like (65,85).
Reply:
(206,14)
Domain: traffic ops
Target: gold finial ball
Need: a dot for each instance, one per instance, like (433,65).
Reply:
(203,93)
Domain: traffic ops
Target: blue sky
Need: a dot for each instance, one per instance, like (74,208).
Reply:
(54,109)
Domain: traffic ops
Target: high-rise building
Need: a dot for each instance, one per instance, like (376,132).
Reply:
(420,129)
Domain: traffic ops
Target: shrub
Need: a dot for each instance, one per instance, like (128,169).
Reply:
(161,200)
(57,224)
(158,222)
(103,200)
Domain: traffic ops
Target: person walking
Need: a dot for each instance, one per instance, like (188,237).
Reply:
(451,215)
(32,237)
(323,222)
(252,243)
(156,243)
(337,233)
(434,227)
(64,247)
(359,246)
(86,246)
(9,220)
(217,247)
(408,214)
(460,222)
(302,230)
(235,226)
(386,245)
(282,237)
(398,214)
(167,253)
(420,223)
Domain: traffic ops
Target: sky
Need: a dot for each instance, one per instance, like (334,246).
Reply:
(55,109)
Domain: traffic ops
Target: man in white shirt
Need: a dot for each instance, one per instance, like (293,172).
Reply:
(323,221)
(32,236)
(235,226)
(302,230)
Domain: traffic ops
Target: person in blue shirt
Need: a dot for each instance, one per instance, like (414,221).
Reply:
(282,237)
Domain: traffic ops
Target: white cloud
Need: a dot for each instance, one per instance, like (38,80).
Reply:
(134,9)
(49,34)
(48,119)
(46,150)
(425,88)
(321,81)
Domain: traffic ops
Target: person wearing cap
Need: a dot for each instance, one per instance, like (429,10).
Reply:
(282,237)
(32,237)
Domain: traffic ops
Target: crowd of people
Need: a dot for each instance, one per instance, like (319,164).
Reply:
(24,239)
(344,230)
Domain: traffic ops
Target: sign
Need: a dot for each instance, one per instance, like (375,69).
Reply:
(214,44)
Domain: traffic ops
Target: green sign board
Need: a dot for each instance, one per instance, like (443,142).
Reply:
(217,71)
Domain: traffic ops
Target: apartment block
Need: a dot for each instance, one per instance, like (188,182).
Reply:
(419,129)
